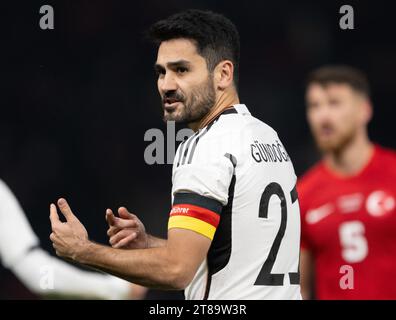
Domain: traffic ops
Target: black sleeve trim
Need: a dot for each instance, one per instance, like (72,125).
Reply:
(294,194)
(232,159)
(198,200)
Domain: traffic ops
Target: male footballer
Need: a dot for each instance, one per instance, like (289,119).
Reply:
(234,225)
(348,199)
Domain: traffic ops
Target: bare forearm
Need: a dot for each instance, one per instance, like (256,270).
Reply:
(151,267)
(154,242)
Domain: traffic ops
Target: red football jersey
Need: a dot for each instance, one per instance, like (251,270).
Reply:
(349,225)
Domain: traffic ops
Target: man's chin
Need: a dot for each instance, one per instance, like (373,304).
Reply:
(329,146)
(183,115)
(173,116)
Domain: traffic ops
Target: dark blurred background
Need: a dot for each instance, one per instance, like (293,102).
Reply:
(77,100)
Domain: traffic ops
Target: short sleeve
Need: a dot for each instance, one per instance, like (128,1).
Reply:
(200,186)
(209,178)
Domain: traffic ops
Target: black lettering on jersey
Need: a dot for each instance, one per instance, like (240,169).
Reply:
(265,276)
(265,152)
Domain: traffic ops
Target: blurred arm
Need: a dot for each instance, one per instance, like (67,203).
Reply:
(39,271)
(307,272)
(46,275)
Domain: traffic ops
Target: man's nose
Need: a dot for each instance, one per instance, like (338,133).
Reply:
(322,113)
(168,83)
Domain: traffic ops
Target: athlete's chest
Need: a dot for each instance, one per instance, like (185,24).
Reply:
(349,217)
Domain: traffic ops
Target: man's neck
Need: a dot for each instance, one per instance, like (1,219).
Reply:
(224,101)
(352,158)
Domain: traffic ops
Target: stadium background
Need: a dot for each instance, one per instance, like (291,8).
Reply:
(77,100)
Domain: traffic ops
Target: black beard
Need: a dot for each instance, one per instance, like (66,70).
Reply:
(202,99)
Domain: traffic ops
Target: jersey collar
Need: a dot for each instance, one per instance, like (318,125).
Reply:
(241,109)
(236,108)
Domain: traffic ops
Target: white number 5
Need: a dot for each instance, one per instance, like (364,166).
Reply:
(353,242)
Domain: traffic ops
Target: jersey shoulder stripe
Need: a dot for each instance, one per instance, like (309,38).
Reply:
(190,151)
(186,151)
(187,148)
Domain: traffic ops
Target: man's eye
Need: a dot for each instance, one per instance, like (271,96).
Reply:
(159,72)
(181,70)
(313,105)
(334,102)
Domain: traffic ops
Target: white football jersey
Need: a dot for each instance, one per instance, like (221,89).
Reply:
(234,183)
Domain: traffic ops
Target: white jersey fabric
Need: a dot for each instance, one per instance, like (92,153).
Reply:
(39,271)
(238,169)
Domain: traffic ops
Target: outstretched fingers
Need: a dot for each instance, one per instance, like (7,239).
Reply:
(65,209)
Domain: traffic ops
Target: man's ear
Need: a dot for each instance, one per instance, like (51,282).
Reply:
(367,113)
(224,74)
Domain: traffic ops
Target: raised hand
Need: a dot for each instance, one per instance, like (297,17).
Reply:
(69,237)
(126,231)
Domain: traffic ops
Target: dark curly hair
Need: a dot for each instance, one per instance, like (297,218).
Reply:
(215,36)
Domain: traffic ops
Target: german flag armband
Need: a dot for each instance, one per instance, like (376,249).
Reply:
(194,212)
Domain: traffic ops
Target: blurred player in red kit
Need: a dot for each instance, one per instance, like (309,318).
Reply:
(347,200)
